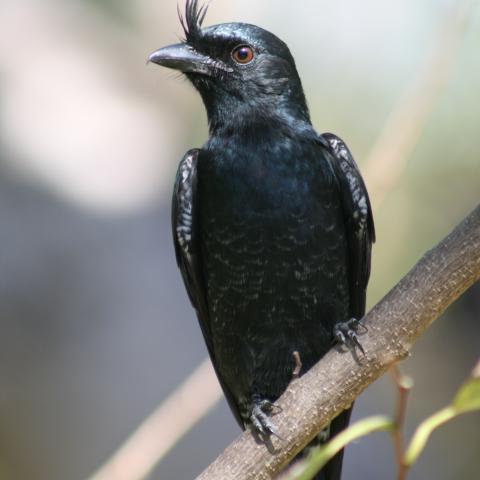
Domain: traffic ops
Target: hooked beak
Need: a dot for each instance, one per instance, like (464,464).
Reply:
(186,59)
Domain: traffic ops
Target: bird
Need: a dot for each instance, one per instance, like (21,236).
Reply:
(272,224)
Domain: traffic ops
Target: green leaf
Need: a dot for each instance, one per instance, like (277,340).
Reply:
(423,432)
(466,400)
(319,456)
(468,397)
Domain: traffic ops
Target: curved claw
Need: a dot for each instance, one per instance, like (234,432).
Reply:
(346,334)
(260,420)
(359,323)
(339,336)
(268,406)
(273,431)
(353,337)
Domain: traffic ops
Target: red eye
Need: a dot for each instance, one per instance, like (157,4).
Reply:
(243,54)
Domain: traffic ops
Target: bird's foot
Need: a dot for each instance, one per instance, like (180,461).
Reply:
(260,418)
(345,333)
(324,435)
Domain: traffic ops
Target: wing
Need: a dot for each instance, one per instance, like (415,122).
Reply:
(358,220)
(185,228)
(360,231)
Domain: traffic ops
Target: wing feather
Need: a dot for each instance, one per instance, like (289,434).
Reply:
(358,220)
(185,229)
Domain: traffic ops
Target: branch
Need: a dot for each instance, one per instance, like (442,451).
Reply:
(394,324)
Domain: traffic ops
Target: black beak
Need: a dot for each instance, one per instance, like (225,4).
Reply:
(186,59)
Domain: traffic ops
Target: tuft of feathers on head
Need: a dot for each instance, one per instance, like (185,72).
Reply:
(192,23)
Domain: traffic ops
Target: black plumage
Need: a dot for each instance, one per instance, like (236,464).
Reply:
(271,221)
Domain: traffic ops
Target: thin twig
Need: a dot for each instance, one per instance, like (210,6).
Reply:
(404,385)
(298,365)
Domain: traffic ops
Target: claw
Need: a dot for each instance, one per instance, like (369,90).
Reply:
(346,333)
(268,406)
(353,337)
(339,336)
(272,430)
(257,424)
(359,323)
(260,419)
(324,434)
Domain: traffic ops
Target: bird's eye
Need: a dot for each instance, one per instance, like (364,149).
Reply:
(242,54)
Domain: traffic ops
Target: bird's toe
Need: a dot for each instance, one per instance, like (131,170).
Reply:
(346,333)
(260,420)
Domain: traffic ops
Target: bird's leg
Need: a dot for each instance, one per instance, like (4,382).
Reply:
(346,333)
(260,417)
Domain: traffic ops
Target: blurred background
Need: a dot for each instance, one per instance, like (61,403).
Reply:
(95,326)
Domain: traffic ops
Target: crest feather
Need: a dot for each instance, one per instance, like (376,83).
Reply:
(192,23)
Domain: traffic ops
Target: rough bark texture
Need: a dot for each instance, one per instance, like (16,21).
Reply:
(394,324)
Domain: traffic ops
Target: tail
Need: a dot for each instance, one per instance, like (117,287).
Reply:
(333,469)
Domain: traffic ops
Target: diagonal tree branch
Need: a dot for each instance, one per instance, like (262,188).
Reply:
(394,325)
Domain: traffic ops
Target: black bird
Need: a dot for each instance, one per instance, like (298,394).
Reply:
(271,221)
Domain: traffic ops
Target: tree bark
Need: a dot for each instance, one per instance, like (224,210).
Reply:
(394,325)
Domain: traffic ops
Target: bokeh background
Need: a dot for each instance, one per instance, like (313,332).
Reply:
(95,327)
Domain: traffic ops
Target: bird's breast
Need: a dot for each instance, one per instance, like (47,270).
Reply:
(270,224)
(270,179)
(274,260)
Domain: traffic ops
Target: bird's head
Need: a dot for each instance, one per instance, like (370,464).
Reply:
(240,70)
